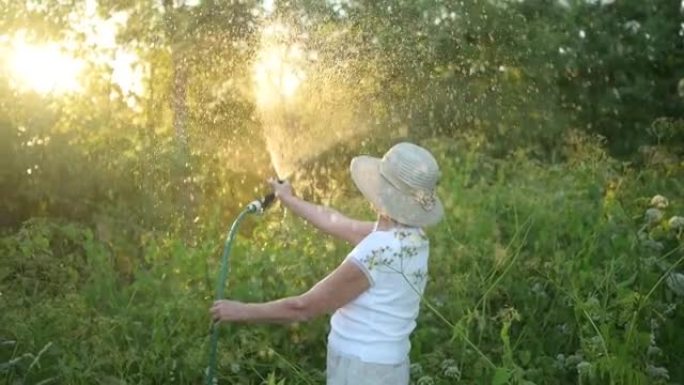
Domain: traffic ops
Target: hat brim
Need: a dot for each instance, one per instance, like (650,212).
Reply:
(402,207)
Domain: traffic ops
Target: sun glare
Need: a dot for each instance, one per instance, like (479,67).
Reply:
(45,68)
(278,71)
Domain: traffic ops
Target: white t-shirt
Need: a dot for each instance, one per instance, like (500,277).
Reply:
(375,327)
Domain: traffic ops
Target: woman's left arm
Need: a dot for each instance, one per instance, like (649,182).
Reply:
(343,285)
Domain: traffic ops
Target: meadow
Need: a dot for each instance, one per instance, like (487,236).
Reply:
(133,132)
(540,274)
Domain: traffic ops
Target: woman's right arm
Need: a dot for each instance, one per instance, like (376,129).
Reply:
(324,218)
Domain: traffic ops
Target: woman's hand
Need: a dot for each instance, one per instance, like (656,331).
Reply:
(323,218)
(225,310)
(282,190)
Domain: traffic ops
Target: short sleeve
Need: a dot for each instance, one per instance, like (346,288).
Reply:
(371,254)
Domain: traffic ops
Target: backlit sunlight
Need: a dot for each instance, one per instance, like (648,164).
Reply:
(278,71)
(44,68)
(48,67)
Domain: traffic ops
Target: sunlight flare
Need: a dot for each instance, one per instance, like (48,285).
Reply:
(278,71)
(45,68)
(48,67)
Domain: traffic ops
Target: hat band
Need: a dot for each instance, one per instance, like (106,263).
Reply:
(426,198)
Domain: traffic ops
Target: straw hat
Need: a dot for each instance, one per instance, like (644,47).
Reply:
(401,184)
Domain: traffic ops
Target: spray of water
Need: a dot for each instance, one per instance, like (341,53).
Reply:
(302,107)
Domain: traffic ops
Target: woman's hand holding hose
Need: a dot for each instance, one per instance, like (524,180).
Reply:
(281,188)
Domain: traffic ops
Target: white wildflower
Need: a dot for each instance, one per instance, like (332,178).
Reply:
(650,262)
(642,234)
(416,370)
(595,342)
(653,216)
(451,370)
(632,26)
(653,245)
(538,290)
(574,359)
(659,202)
(426,380)
(658,372)
(670,309)
(675,281)
(584,368)
(559,363)
(676,223)
(654,351)
(655,325)
(593,301)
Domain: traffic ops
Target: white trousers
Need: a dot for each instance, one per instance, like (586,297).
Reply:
(348,370)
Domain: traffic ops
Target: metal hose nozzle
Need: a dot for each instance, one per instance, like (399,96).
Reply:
(260,205)
(267,201)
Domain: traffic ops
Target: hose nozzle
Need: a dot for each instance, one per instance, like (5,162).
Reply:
(260,205)
(267,201)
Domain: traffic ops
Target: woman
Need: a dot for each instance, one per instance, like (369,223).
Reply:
(375,292)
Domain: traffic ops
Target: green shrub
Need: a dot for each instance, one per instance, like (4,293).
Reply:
(540,274)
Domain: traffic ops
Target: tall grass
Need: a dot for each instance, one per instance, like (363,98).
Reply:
(540,274)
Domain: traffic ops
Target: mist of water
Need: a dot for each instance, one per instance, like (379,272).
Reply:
(304,110)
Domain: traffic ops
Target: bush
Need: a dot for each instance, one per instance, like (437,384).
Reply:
(540,273)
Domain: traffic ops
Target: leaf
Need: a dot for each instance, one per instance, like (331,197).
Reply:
(47,381)
(111,380)
(36,360)
(628,282)
(525,357)
(501,376)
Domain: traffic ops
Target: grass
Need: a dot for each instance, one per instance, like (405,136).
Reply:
(539,275)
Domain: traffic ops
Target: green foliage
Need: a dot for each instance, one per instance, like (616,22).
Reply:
(540,274)
(558,127)
(618,58)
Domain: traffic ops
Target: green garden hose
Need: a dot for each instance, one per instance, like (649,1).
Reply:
(256,207)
